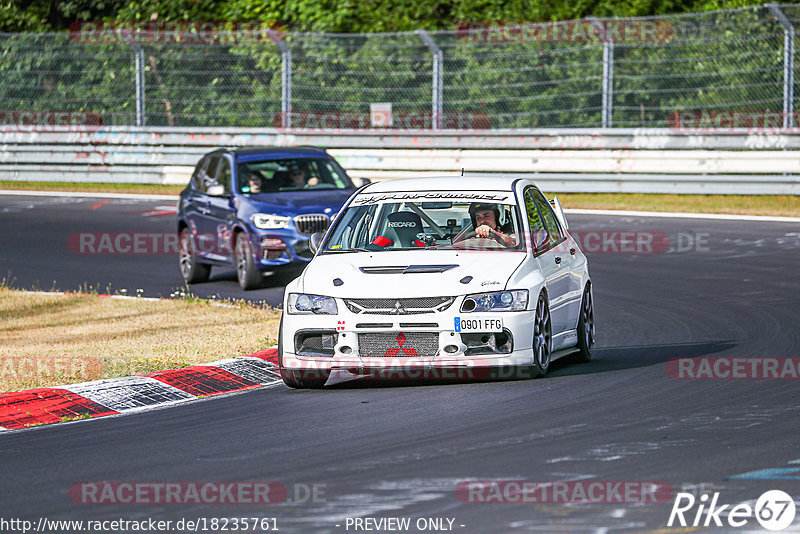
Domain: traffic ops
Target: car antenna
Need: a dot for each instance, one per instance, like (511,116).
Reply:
(462,171)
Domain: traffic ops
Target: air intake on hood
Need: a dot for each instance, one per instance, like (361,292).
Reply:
(407,269)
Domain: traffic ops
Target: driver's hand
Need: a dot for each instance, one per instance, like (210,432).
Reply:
(483,231)
(313,181)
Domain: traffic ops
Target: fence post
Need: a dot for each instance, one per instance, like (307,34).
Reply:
(138,64)
(607,100)
(788,64)
(436,97)
(286,78)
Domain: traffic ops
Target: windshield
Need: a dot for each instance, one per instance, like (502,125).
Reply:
(274,175)
(413,225)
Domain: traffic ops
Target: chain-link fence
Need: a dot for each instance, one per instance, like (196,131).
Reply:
(665,71)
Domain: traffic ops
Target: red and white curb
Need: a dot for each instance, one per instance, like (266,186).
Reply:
(114,396)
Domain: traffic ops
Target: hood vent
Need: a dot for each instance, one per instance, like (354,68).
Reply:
(407,269)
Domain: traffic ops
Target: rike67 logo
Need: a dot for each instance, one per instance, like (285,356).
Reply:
(774,510)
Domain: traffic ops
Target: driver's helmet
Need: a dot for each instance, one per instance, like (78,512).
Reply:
(475,207)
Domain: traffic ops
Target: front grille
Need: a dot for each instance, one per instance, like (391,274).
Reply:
(410,306)
(312,223)
(398,344)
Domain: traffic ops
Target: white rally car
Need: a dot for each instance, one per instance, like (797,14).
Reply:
(436,278)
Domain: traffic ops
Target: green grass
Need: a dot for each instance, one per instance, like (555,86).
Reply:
(775,205)
(146,189)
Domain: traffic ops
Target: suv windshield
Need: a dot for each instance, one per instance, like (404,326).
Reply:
(412,225)
(274,175)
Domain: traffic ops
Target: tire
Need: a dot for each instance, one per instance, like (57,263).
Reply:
(246,272)
(298,379)
(586,327)
(191,269)
(542,338)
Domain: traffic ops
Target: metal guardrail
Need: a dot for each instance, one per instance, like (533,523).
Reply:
(587,160)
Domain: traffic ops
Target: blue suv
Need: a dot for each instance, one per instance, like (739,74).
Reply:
(255,208)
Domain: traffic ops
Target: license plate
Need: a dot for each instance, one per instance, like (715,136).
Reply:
(479,324)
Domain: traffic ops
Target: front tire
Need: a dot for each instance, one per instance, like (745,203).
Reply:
(192,270)
(586,327)
(246,272)
(542,338)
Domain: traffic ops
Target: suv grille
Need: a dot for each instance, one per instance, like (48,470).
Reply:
(394,344)
(311,224)
(399,306)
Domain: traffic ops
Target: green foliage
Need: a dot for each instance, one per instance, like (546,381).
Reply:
(729,60)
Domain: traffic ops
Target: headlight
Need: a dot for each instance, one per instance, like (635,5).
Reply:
(300,303)
(514,300)
(269,222)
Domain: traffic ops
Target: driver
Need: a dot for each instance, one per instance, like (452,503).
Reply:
(485,219)
(256,181)
(298,177)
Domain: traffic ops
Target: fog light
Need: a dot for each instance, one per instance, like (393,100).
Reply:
(345,350)
(451,349)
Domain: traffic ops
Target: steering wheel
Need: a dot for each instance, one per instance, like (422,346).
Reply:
(470,240)
(470,235)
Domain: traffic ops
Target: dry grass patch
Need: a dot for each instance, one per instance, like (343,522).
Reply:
(48,340)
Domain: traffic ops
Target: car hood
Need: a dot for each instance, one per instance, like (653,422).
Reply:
(307,201)
(418,273)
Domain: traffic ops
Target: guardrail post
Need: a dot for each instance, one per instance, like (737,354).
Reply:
(286,78)
(607,99)
(788,64)
(438,60)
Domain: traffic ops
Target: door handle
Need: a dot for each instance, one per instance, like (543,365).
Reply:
(572,251)
(558,259)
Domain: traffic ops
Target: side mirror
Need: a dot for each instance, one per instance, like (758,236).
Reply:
(215,190)
(360,182)
(559,212)
(540,239)
(316,241)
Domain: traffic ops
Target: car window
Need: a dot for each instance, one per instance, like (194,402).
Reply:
(196,181)
(224,174)
(397,224)
(535,224)
(292,174)
(549,218)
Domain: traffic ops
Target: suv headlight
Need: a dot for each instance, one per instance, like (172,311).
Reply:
(269,222)
(514,300)
(300,303)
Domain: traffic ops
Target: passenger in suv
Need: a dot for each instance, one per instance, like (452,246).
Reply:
(254,209)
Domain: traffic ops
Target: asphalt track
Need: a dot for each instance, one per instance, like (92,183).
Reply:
(401,451)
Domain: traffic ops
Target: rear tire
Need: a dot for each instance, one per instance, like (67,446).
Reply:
(192,270)
(586,327)
(246,272)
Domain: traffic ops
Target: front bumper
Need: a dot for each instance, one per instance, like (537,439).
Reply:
(414,346)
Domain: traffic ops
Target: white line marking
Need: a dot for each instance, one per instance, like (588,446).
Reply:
(716,216)
(75,194)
